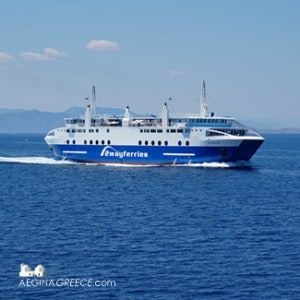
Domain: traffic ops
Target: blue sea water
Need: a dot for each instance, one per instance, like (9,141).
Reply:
(201,232)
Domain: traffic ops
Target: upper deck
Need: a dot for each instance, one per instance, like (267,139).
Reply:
(177,121)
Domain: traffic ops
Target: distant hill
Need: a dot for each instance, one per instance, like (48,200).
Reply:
(280,131)
(35,121)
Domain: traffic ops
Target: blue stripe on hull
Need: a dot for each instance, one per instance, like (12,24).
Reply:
(155,154)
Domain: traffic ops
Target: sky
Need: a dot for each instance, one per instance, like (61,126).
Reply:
(142,52)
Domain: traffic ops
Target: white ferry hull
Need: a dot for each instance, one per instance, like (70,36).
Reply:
(156,155)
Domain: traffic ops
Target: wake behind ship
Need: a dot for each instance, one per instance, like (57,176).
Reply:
(158,140)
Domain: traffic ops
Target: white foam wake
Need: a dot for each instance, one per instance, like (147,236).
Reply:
(33,160)
(239,164)
(53,161)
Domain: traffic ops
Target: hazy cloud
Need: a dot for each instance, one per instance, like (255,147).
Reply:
(176,73)
(4,57)
(49,54)
(101,45)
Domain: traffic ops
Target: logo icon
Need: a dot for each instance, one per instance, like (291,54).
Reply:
(26,271)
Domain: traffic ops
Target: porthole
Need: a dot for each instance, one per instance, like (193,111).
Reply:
(152,143)
(85,142)
(187,143)
(74,142)
(102,142)
(68,142)
(97,142)
(179,143)
(140,143)
(166,143)
(108,142)
(91,142)
(146,143)
(159,143)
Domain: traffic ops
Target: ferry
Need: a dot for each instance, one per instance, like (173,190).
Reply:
(167,139)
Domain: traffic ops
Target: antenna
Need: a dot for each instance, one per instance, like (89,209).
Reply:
(203,105)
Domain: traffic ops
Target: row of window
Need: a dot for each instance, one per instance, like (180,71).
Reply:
(81,130)
(159,143)
(91,142)
(152,130)
(146,142)
(224,121)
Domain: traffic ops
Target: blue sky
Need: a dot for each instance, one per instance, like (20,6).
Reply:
(140,53)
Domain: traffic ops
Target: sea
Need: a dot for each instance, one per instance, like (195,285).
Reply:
(206,231)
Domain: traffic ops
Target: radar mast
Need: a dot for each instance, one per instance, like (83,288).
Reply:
(93,103)
(203,105)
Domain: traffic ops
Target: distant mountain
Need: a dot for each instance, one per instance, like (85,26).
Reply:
(7,110)
(29,121)
(35,121)
(280,131)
